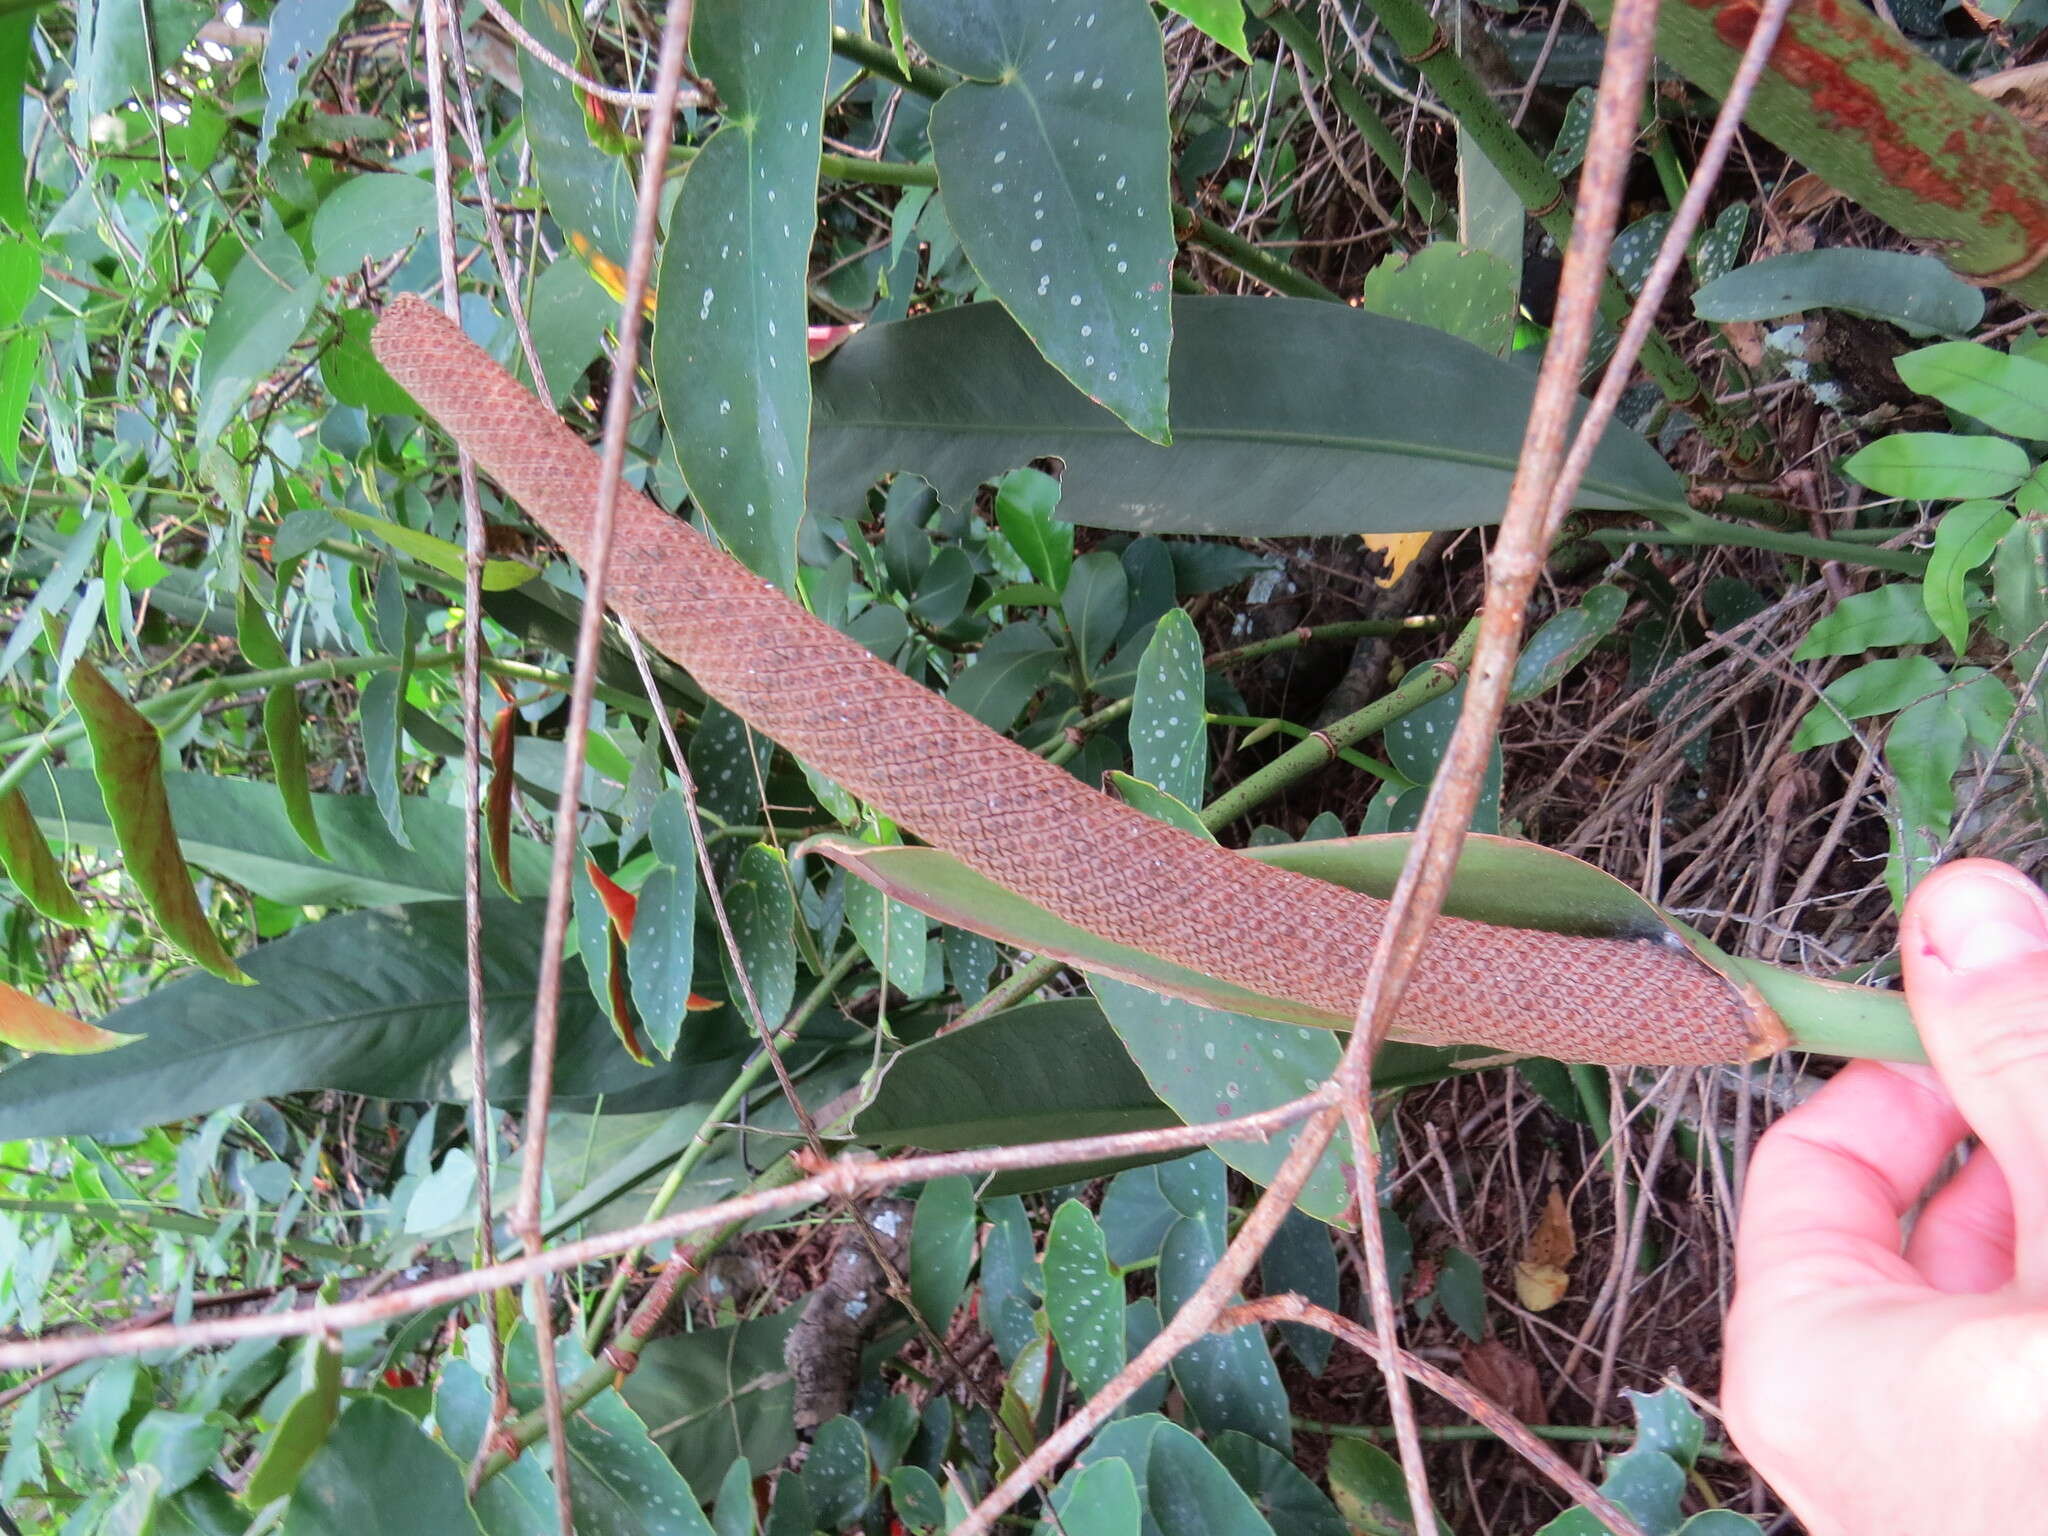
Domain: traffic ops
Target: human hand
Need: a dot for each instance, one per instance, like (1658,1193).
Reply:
(1886,1388)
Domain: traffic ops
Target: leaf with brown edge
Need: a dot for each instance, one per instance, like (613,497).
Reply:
(604,926)
(619,1003)
(30,864)
(30,1025)
(126,760)
(620,904)
(498,798)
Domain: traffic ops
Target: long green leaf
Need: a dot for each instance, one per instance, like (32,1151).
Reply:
(730,356)
(239,828)
(262,309)
(1045,1070)
(371,1002)
(1290,417)
(1052,161)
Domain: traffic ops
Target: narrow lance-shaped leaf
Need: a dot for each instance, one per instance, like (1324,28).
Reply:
(730,358)
(498,797)
(762,912)
(604,919)
(589,192)
(17,31)
(31,866)
(383,697)
(28,1024)
(1052,161)
(284,726)
(299,35)
(126,757)
(663,953)
(1966,537)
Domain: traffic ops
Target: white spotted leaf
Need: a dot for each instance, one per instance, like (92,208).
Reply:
(1084,1299)
(1169,736)
(730,358)
(1052,159)
(763,915)
(1211,1066)
(589,191)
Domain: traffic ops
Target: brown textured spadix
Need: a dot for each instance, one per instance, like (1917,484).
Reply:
(1032,827)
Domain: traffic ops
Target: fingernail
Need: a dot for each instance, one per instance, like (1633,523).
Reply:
(1976,922)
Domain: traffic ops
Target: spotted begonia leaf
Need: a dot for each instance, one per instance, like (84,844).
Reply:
(731,357)
(1052,160)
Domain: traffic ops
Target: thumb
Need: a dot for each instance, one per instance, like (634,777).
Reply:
(1974,943)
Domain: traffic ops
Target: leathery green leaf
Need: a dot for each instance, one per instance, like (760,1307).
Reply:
(1045,1069)
(368,1002)
(126,759)
(1229,1379)
(1052,159)
(730,359)
(941,1248)
(1964,539)
(373,1451)
(1290,417)
(1100,1499)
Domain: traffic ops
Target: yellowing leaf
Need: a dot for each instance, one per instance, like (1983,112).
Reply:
(447,558)
(1397,551)
(611,277)
(1542,1276)
(30,1025)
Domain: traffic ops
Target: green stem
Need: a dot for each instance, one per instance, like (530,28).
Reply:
(1452,1434)
(878,173)
(1066,744)
(1693,529)
(877,59)
(742,1084)
(1419,36)
(1421,685)
(1362,761)
(1247,257)
(159,1220)
(1416,191)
